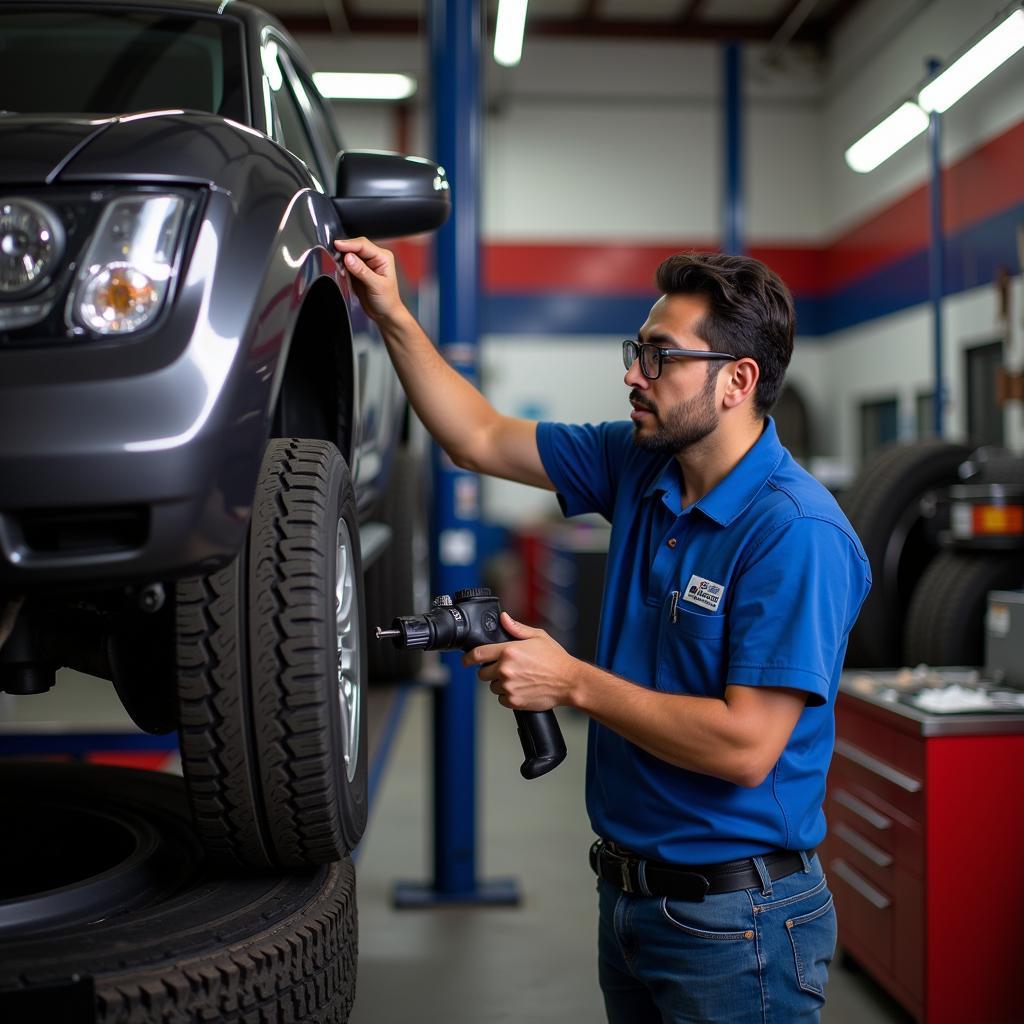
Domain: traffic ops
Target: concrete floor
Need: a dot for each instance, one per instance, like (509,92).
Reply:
(478,965)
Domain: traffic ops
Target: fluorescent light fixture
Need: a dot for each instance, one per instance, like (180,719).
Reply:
(341,85)
(899,128)
(976,64)
(508,32)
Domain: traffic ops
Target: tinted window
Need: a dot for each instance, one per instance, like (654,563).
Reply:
(290,129)
(96,62)
(321,120)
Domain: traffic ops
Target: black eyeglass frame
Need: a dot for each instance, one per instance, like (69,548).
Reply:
(634,350)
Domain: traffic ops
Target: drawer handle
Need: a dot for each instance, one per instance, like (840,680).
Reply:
(880,768)
(861,845)
(861,809)
(859,886)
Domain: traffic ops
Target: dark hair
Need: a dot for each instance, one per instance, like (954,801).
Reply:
(750,312)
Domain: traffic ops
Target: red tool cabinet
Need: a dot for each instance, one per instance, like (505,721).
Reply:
(925,856)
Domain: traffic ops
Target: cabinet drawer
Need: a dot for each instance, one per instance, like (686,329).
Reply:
(863,854)
(864,911)
(884,827)
(903,751)
(870,771)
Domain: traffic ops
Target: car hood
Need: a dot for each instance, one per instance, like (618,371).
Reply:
(36,148)
(166,145)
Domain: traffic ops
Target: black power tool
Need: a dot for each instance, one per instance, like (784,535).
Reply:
(472,619)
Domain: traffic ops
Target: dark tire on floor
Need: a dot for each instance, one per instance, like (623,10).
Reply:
(946,617)
(882,504)
(193,946)
(272,674)
(398,582)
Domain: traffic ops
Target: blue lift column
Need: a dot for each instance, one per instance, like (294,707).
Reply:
(936,255)
(455,31)
(732,197)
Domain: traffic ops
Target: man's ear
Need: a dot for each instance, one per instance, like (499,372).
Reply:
(743,376)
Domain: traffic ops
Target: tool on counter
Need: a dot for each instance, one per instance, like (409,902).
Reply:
(471,619)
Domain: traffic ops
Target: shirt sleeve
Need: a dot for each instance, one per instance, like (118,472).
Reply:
(583,461)
(793,606)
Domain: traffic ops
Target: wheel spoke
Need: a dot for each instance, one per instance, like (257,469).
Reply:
(349,647)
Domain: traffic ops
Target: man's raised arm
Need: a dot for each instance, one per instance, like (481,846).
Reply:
(473,433)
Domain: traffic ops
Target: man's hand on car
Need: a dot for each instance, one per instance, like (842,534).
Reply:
(374,280)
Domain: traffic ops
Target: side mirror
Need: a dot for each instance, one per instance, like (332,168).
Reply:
(387,195)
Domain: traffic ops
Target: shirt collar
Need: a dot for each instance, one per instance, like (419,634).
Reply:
(730,496)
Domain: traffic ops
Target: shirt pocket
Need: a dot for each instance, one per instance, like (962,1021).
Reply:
(692,653)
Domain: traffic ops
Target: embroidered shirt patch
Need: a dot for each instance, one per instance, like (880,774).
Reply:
(705,593)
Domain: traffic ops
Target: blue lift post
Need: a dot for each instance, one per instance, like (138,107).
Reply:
(936,253)
(455,31)
(732,198)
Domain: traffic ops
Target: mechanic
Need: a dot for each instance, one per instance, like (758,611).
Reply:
(732,582)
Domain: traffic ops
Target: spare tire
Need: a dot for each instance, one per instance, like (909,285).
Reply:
(946,617)
(883,505)
(192,945)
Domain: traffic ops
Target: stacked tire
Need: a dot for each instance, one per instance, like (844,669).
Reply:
(135,925)
(884,506)
(929,596)
(945,622)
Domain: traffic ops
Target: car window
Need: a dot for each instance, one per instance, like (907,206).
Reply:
(119,62)
(320,118)
(289,124)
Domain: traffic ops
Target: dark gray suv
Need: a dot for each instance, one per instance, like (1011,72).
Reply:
(196,419)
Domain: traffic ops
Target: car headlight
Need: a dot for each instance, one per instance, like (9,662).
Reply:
(129,266)
(31,245)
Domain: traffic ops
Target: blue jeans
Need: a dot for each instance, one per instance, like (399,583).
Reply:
(757,956)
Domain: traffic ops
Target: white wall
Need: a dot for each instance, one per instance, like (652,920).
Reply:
(893,357)
(615,140)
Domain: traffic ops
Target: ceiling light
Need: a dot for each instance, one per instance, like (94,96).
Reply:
(997,47)
(339,85)
(902,125)
(508,32)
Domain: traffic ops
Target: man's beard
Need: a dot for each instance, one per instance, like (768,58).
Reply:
(683,425)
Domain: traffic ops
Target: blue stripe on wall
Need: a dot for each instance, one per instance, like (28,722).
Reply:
(974,257)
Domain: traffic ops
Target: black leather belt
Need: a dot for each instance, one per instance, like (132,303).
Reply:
(644,877)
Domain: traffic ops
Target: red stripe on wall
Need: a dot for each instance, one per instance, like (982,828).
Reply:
(988,180)
(594,268)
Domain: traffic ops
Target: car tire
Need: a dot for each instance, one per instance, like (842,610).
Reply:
(196,945)
(946,617)
(398,582)
(883,506)
(272,677)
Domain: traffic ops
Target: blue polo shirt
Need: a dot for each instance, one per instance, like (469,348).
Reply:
(756,584)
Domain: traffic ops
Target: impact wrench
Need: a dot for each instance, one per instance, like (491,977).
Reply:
(471,620)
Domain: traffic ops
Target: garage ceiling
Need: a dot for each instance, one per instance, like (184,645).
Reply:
(781,21)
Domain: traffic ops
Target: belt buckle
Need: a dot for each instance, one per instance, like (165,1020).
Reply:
(624,869)
(623,865)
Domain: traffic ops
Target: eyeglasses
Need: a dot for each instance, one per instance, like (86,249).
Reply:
(652,356)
